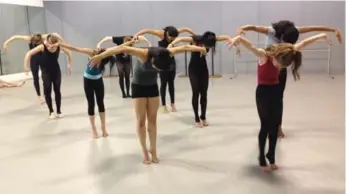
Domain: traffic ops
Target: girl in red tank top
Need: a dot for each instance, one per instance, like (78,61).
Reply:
(272,60)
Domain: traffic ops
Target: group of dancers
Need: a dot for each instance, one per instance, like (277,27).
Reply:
(281,51)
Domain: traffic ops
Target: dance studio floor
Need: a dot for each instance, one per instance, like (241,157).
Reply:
(41,156)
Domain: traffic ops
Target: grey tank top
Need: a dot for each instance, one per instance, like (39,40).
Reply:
(144,74)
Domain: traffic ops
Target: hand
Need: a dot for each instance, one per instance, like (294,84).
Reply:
(26,69)
(203,51)
(325,36)
(240,32)
(69,69)
(234,42)
(5,48)
(95,61)
(338,35)
(170,46)
(238,52)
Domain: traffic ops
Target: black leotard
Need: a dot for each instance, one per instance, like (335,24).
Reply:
(35,67)
(199,79)
(51,75)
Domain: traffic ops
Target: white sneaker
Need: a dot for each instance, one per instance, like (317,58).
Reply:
(52,116)
(60,115)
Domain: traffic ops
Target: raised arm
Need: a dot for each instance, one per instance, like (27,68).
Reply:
(187,48)
(87,51)
(31,53)
(247,44)
(259,29)
(186,29)
(105,39)
(16,37)
(158,33)
(143,39)
(302,44)
(180,39)
(138,52)
(306,29)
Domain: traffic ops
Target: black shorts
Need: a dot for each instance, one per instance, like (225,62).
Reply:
(144,91)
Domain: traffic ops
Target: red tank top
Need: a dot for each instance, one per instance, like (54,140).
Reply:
(267,73)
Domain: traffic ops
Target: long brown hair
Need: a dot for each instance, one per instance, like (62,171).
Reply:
(286,55)
(36,38)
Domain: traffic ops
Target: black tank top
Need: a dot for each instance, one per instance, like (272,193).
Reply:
(32,46)
(164,43)
(122,57)
(49,60)
(198,63)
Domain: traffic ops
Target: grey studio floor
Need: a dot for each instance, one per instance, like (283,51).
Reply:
(41,156)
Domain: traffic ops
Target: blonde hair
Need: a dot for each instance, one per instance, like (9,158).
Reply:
(286,55)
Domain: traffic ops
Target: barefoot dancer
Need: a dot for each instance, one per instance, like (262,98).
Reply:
(285,32)
(93,86)
(167,35)
(145,91)
(271,60)
(51,73)
(198,72)
(34,40)
(123,61)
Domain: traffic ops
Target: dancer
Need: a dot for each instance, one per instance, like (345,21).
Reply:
(198,72)
(5,84)
(271,60)
(145,89)
(93,86)
(51,73)
(123,61)
(34,40)
(167,35)
(285,32)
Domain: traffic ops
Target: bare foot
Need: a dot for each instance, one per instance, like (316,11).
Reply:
(60,115)
(274,167)
(41,100)
(265,169)
(95,134)
(165,109)
(52,116)
(105,134)
(154,158)
(146,159)
(199,124)
(205,123)
(174,109)
(281,133)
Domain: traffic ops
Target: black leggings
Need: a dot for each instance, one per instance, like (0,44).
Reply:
(199,84)
(282,86)
(268,107)
(124,70)
(49,79)
(35,67)
(167,77)
(94,88)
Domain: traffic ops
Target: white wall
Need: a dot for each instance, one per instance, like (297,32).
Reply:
(35,3)
(85,23)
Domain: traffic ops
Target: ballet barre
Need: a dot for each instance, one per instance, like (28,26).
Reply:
(327,49)
(212,75)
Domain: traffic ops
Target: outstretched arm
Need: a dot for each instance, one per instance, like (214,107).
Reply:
(87,51)
(187,48)
(259,29)
(247,44)
(143,39)
(302,44)
(105,39)
(141,53)
(186,29)
(16,37)
(306,29)
(158,33)
(31,53)
(180,39)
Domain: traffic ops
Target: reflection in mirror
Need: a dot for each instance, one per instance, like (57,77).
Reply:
(18,20)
